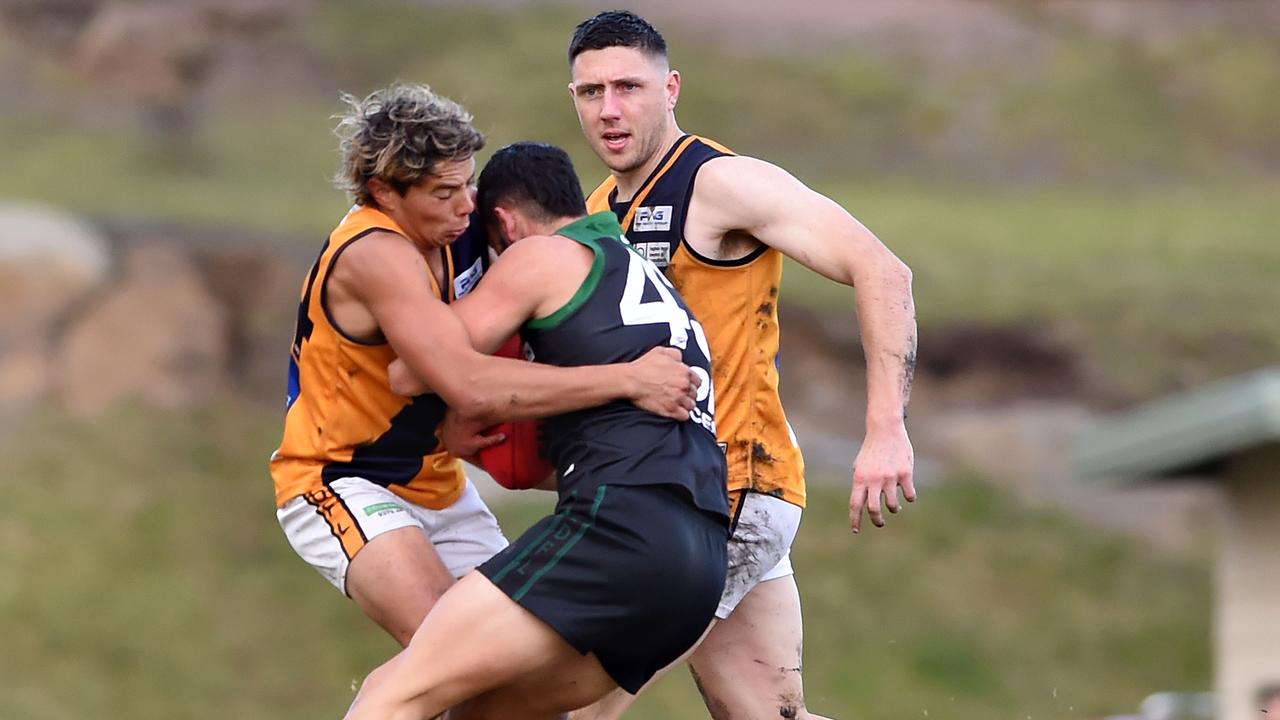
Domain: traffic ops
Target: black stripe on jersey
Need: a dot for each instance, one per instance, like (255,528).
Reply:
(736,262)
(446,261)
(324,287)
(302,329)
(396,456)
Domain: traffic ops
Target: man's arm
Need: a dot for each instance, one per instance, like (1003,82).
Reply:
(763,200)
(388,276)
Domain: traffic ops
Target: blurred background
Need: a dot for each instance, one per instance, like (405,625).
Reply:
(1088,193)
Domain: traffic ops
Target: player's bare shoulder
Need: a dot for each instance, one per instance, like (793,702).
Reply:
(548,268)
(545,254)
(729,197)
(366,269)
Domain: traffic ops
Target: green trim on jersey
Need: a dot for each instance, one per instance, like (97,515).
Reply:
(586,231)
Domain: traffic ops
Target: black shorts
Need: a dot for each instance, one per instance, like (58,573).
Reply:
(632,573)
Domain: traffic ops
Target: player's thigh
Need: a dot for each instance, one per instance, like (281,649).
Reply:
(749,664)
(381,550)
(396,579)
(544,693)
(492,643)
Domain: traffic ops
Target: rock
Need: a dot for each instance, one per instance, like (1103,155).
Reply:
(49,263)
(158,336)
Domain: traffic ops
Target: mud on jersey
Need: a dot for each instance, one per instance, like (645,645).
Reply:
(737,302)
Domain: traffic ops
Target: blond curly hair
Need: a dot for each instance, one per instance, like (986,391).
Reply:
(399,134)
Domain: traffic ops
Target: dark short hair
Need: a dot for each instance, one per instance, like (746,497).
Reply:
(616,28)
(537,176)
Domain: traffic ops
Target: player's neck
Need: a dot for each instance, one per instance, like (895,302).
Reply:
(551,226)
(629,182)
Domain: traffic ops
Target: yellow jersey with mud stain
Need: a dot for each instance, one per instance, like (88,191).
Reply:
(737,303)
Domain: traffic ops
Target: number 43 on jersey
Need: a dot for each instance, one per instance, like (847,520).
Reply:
(665,310)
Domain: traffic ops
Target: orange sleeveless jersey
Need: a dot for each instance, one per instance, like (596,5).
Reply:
(343,420)
(737,303)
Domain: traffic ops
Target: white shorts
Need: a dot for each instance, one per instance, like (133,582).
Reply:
(465,534)
(760,547)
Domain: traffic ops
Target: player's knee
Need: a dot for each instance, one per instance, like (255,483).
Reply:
(377,677)
(739,687)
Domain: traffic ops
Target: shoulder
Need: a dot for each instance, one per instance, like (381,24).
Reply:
(379,242)
(737,191)
(377,257)
(540,254)
(735,174)
(536,246)
(535,268)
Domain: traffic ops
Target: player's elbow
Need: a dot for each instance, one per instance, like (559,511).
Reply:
(476,405)
(899,273)
(403,382)
(470,396)
(886,272)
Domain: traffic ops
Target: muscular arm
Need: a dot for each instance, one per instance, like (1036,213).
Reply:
(752,196)
(524,281)
(388,276)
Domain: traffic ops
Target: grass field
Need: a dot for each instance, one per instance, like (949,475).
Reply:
(148,578)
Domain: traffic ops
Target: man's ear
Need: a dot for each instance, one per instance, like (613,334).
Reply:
(383,194)
(673,88)
(508,222)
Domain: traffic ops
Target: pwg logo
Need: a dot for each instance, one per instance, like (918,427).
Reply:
(652,219)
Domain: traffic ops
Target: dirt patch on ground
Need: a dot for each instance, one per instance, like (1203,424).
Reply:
(1004,402)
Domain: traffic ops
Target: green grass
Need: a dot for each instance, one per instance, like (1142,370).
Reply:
(148,578)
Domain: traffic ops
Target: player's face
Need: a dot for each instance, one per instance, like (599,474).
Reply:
(436,211)
(624,98)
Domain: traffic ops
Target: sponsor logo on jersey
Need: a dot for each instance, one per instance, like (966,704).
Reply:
(658,253)
(652,219)
(467,279)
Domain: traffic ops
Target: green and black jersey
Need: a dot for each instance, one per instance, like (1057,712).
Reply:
(623,309)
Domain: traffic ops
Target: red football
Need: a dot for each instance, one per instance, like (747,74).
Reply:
(517,462)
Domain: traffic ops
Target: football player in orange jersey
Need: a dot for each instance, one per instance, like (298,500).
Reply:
(364,492)
(720,224)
